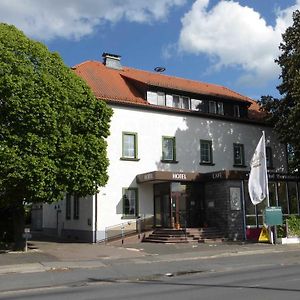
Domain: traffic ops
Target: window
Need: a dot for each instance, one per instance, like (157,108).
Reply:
(196,104)
(238,155)
(156,98)
(176,101)
(161,99)
(269,157)
(236,111)
(130,202)
(129,150)
(68,206)
(76,207)
(168,149)
(212,107)
(220,108)
(185,102)
(206,152)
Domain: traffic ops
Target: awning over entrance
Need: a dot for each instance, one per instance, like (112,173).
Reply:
(168,176)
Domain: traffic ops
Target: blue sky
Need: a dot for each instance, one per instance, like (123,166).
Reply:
(231,43)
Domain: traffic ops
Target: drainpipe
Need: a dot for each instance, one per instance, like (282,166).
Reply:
(96,217)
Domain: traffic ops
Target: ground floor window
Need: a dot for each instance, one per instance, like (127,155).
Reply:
(281,193)
(130,202)
(76,207)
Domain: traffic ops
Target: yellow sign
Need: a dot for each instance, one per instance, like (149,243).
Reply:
(264,235)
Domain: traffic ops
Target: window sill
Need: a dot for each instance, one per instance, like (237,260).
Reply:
(129,217)
(206,164)
(240,166)
(129,159)
(169,161)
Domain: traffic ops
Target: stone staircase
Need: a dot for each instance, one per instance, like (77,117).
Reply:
(190,235)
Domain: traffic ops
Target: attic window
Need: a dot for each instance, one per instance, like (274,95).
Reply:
(156,98)
(236,111)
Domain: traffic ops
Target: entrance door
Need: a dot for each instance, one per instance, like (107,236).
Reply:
(162,205)
(179,210)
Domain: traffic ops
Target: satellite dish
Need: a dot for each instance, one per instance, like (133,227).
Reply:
(159,69)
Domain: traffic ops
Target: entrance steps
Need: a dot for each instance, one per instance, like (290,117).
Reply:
(190,235)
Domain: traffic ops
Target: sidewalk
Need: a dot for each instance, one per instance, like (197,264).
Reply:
(45,256)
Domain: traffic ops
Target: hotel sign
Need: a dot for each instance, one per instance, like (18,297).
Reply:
(168,176)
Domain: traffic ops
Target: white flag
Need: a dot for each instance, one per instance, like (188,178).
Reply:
(258,178)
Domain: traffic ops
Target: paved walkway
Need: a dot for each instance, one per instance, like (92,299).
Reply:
(45,255)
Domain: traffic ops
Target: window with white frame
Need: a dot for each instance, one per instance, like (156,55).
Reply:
(156,98)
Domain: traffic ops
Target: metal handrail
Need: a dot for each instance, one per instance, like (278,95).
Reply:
(130,227)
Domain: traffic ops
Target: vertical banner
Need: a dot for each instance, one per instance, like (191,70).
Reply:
(258,178)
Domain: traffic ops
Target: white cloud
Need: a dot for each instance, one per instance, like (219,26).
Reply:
(235,35)
(44,19)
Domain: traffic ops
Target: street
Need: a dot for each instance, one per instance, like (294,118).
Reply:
(249,276)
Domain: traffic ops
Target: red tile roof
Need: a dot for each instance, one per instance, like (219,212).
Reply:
(111,84)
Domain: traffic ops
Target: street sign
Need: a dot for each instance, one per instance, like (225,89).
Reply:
(273,215)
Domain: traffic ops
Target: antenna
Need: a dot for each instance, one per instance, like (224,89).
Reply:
(159,69)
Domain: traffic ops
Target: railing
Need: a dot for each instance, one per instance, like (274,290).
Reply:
(122,230)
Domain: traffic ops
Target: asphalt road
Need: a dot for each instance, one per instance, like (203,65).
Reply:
(264,276)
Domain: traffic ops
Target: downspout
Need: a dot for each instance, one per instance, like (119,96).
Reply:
(96,217)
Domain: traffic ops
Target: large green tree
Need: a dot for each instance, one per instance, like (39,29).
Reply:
(52,128)
(285,112)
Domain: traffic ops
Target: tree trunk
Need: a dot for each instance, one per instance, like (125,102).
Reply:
(18,225)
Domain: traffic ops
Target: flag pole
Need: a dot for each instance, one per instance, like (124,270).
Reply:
(266,173)
(267,189)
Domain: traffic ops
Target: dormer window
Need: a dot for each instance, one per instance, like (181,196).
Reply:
(212,107)
(215,107)
(236,111)
(156,98)
(178,101)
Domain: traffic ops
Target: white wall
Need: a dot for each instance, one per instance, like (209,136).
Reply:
(188,130)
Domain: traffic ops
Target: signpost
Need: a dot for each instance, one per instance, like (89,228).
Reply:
(273,217)
(26,235)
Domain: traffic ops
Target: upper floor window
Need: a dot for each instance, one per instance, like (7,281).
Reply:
(269,157)
(206,152)
(168,149)
(212,107)
(129,145)
(236,111)
(238,155)
(215,107)
(178,101)
(197,104)
(220,108)
(156,98)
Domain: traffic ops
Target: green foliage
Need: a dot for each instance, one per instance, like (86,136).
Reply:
(281,231)
(285,112)
(52,128)
(293,225)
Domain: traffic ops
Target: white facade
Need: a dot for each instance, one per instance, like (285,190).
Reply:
(150,126)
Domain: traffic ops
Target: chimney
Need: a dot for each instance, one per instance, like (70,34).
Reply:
(112,61)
